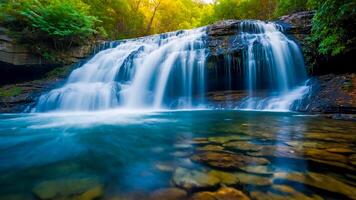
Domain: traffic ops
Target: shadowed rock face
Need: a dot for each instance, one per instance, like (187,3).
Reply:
(18,63)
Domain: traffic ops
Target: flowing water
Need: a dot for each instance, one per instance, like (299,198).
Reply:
(169,71)
(128,155)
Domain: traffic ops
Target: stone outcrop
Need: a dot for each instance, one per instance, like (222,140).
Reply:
(18,63)
(332,94)
(24,75)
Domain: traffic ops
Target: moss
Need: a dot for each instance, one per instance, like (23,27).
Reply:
(58,72)
(10,91)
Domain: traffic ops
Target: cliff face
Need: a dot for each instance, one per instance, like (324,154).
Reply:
(19,64)
(24,75)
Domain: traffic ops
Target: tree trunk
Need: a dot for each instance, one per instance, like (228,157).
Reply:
(149,26)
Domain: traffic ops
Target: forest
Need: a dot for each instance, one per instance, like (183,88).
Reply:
(61,24)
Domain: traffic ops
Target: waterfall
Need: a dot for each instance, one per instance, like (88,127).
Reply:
(170,71)
(275,72)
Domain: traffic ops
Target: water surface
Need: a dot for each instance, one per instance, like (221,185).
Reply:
(131,154)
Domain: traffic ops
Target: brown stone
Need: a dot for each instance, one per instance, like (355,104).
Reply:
(224,193)
(194,180)
(210,148)
(250,179)
(324,155)
(243,146)
(320,181)
(169,194)
(226,160)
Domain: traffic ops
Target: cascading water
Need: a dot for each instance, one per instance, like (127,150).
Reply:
(274,67)
(170,71)
(152,72)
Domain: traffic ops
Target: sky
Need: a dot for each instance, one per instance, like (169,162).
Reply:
(208,1)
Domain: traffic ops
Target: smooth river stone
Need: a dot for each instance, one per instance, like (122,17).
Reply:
(250,179)
(259,169)
(225,177)
(224,193)
(225,160)
(339,150)
(169,194)
(73,189)
(330,137)
(320,181)
(225,139)
(314,144)
(194,180)
(283,192)
(243,146)
(277,151)
(210,148)
(324,155)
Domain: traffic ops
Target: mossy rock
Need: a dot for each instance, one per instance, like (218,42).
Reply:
(73,189)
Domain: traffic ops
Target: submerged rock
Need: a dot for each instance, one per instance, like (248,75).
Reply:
(264,170)
(227,160)
(224,193)
(74,189)
(320,181)
(325,155)
(225,139)
(210,148)
(243,146)
(169,194)
(282,192)
(225,177)
(194,180)
(250,179)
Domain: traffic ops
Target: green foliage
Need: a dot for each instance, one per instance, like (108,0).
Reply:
(59,20)
(59,24)
(10,91)
(290,6)
(334,26)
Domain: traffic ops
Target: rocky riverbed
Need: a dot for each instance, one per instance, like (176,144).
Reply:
(197,155)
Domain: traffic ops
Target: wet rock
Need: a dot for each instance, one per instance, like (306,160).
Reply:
(210,148)
(329,137)
(324,155)
(225,177)
(264,170)
(250,179)
(243,146)
(194,180)
(294,194)
(277,151)
(169,194)
(75,189)
(225,139)
(226,160)
(224,193)
(320,181)
(314,144)
(339,150)
(282,192)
